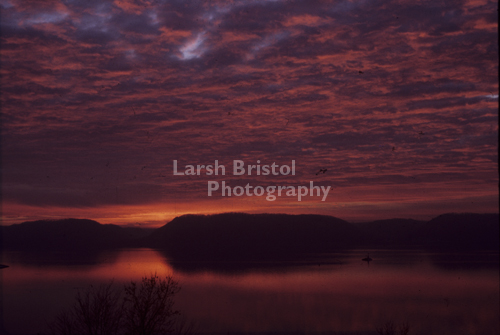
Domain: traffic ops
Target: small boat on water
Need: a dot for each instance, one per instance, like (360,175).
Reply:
(3,266)
(367,258)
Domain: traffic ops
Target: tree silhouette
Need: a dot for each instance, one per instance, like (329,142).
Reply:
(97,311)
(389,329)
(149,307)
(146,308)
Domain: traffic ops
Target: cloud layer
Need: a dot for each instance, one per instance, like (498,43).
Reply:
(398,100)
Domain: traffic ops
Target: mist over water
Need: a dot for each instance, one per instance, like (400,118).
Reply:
(436,293)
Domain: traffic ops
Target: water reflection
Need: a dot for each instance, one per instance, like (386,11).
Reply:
(319,293)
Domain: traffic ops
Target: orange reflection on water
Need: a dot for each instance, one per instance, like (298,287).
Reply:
(119,266)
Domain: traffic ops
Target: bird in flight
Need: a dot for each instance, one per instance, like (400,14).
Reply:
(321,171)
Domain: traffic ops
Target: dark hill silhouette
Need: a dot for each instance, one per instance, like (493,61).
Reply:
(392,233)
(67,234)
(461,232)
(238,236)
(245,236)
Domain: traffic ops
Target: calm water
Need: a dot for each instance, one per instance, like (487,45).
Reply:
(435,293)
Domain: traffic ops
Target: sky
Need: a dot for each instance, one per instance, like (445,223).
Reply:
(391,104)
